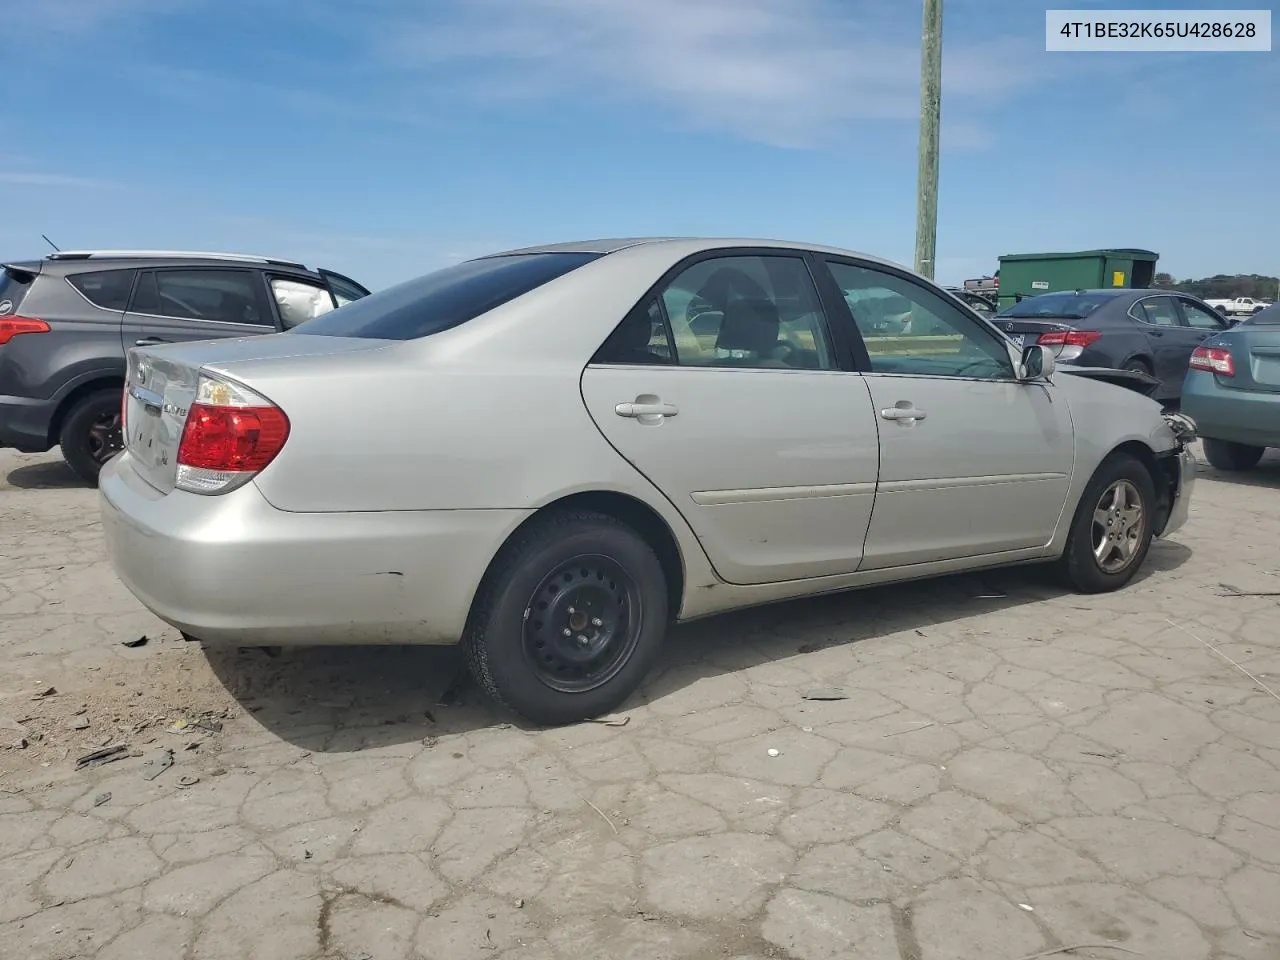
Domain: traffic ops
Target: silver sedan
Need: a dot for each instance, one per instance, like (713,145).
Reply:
(549,455)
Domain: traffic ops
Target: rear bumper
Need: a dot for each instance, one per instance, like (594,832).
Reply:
(233,569)
(1237,416)
(25,423)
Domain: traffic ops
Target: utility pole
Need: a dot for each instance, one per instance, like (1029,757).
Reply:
(930,118)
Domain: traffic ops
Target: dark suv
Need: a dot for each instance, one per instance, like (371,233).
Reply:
(67,320)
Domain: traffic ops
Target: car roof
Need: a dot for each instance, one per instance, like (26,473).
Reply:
(688,245)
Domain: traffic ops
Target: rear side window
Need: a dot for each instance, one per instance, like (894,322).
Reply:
(446,298)
(108,289)
(220,295)
(1269,317)
(14,285)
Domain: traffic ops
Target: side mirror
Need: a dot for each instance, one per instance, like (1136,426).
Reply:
(1037,363)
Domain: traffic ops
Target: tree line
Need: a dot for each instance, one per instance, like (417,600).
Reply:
(1222,287)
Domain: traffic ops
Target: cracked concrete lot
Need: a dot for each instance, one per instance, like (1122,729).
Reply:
(1013,770)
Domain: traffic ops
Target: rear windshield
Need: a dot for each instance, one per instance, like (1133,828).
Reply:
(444,299)
(14,285)
(1269,317)
(1064,306)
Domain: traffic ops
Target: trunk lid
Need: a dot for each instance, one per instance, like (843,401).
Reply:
(162,381)
(1255,349)
(1025,331)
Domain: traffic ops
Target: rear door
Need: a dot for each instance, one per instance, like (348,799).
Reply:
(726,389)
(172,304)
(1160,320)
(973,462)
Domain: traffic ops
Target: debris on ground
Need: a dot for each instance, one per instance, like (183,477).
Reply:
(134,644)
(1232,591)
(49,692)
(775,752)
(99,757)
(79,722)
(188,781)
(611,721)
(102,798)
(824,693)
(157,763)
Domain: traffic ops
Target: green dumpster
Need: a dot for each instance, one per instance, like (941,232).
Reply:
(1031,274)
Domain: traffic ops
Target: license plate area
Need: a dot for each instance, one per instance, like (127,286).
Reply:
(144,422)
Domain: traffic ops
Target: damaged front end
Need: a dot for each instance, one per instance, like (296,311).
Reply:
(1178,471)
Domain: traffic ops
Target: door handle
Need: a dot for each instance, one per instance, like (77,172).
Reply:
(907,413)
(639,410)
(149,341)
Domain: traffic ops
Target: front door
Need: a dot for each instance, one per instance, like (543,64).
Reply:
(724,390)
(1198,324)
(972,461)
(196,303)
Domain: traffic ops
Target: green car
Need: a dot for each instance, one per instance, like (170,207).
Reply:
(1232,391)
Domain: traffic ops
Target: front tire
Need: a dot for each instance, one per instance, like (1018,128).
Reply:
(90,433)
(1111,531)
(570,618)
(1232,456)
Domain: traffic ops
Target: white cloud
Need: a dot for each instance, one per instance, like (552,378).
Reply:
(785,72)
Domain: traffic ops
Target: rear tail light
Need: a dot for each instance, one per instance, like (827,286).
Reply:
(231,434)
(11,327)
(1213,360)
(1069,338)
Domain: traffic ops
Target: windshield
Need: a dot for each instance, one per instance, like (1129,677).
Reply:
(1269,317)
(1065,306)
(444,299)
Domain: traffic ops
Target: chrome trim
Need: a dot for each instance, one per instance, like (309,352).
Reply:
(63,255)
(952,483)
(712,498)
(222,323)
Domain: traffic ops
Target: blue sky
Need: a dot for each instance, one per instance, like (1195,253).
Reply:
(384,138)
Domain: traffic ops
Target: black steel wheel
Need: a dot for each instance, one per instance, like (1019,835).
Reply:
(582,623)
(569,618)
(91,434)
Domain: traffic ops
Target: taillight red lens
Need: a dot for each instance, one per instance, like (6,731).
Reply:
(11,327)
(1213,360)
(1069,338)
(232,439)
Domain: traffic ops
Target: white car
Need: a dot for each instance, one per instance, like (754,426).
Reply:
(541,455)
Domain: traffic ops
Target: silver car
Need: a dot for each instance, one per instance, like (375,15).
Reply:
(539,454)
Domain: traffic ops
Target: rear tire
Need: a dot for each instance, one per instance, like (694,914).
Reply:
(570,618)
(1232,456)
(1111,531)
(90,433)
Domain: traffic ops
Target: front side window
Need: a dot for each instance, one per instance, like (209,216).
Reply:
(108,289)
(446,298)
(1200,318)
(300,300)
(221,296)
(909,329)
(747,311)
